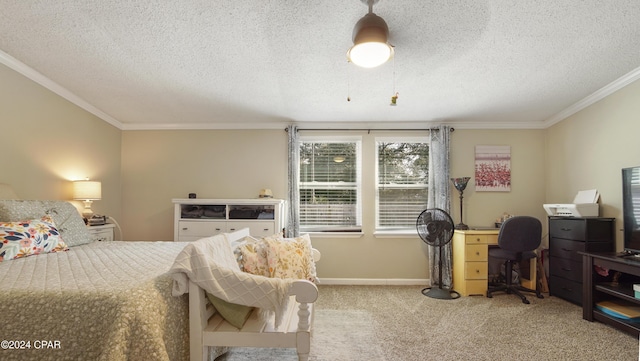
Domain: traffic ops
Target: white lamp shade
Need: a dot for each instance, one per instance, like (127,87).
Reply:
(87,190)
(370,55)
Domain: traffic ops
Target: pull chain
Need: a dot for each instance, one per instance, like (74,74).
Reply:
(394,97)
(348,82)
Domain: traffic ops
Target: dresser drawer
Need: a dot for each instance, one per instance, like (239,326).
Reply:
(568,228)
(257,229)
(566,268)
(476,239)
(476,287)
(475,270)
(101,233)
(200,229)
(476,253)
(564,248)
(567,289)
(582,229)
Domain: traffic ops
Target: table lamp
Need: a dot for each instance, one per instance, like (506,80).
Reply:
(87,191)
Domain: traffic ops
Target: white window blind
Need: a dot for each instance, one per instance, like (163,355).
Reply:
(330,185)
(402,176)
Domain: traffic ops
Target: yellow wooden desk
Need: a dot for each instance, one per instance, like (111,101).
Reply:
(471,262)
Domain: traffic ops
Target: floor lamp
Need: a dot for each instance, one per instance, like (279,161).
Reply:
(461,184)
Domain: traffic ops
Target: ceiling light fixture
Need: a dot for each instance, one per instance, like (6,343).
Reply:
(370,36)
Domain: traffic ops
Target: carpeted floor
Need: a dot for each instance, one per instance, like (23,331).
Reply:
(398,323)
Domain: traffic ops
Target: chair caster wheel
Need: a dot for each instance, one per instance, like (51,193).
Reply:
(526,302)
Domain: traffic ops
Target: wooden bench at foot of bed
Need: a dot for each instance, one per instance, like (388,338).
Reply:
(208,328)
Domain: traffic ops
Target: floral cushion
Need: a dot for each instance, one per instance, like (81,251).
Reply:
(28,238)
(236,247)
(252,256)
(291,258)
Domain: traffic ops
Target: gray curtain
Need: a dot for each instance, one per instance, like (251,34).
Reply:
(293,211)
(439,198)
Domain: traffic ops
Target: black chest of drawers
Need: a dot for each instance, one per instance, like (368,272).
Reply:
(567,237)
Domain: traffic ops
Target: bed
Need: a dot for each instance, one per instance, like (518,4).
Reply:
(94,301)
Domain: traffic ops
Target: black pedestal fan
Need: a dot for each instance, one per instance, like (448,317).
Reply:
(435,228)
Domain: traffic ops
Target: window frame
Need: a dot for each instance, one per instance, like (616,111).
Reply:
(355,230)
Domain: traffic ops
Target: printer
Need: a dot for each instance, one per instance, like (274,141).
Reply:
(585,204)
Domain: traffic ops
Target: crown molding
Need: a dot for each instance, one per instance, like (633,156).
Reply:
(56,88)
(408,125)
(598,95)
(206,126)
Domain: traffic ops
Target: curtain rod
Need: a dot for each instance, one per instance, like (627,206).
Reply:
(368,130)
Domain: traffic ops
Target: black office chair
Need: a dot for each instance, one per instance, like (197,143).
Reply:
(518,239)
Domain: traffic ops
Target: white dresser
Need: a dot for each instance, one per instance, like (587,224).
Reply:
(197,218)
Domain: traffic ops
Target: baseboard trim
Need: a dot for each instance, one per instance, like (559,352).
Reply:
(376,281)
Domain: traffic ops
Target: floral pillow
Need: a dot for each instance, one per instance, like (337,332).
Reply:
(28,238)
(252,257)
(68,221)
(291,258)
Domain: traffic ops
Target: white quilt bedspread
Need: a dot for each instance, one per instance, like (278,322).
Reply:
(99,301)
(210,263)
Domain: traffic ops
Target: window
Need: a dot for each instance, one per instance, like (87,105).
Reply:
(330,192)
(402,175)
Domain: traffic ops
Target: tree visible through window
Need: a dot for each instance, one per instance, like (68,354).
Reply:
(402,177)
(330,186)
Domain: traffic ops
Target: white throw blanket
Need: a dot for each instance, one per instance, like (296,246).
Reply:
(210,263)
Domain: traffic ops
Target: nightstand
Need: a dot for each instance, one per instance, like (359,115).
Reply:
(102,233)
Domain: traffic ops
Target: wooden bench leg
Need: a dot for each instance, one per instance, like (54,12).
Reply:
(303,345)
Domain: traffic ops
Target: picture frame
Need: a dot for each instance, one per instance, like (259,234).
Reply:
(493,168)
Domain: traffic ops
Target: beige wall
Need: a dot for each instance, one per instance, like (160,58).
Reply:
(158,166)
(589,149)
(527,173)
(47,141)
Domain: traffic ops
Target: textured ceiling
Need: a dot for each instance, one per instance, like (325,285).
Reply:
(261,64)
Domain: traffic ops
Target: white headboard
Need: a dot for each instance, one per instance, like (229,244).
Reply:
(6,192)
